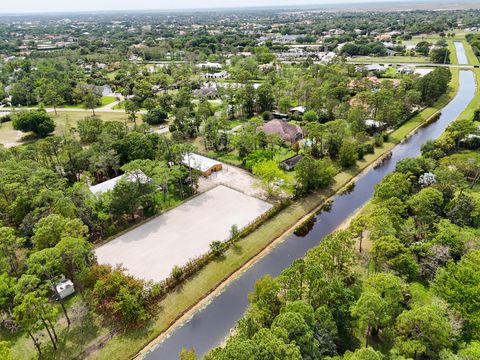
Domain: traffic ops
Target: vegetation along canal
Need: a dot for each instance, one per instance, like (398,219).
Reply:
(209,326)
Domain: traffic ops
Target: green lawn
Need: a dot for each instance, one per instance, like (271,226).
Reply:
(106,100)
(120,106)
(391,59)
(64,120)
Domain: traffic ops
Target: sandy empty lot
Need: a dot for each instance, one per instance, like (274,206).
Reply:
(234,177)
(151,250)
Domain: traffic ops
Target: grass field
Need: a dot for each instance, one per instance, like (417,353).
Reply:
(391,59)
(64,120)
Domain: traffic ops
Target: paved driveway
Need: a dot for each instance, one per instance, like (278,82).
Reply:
(151,250)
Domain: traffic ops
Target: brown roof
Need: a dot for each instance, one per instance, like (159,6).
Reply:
(286,131)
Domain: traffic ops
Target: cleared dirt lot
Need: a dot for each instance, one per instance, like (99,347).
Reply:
(235,178)
(151,250)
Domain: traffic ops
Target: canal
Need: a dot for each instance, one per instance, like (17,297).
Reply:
(208,327)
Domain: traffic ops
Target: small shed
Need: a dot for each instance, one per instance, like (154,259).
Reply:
(290,163)
(65,288)
(202,164)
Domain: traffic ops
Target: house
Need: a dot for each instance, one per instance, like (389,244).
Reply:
(374,125)
(290,163)
(209,65)
(206,92)
(299,110)
(64,288)
(104,90)
(219,75)
(288,132)
(279,115)
(405,69)
(108,185)
(202,164)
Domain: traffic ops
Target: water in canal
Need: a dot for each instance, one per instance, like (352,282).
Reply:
(461,54)
(209,326)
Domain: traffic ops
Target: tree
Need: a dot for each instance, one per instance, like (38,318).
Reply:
(92,100)
(5,350)
(270,176)
(313,174)
(358,225)
(90,129)
(131,109)
(310,116)
(348,154)
(293,328)
(128,196)
(458,283)
(424,330)
(363,354)
(53,96)
(389,287)
(393,185)
(440,55)
(426,206)
(36,121)
(9,244)
(285,103)
(122,299)
(76,255)
(46,265)
(423,47)
(34,313)
(264,299)
(48,231)
(265,98)
(390,253)
(372,313)
(155,116)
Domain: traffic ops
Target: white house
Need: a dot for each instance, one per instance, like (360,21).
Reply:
(108,185)
(219,75)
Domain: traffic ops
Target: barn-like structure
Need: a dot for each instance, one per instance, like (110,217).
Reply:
(202,164)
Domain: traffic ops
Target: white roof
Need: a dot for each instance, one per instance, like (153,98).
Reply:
(299,109)
(198,162)
(108,185)
(374,123)
(423,72)
(210,65)
(63,285)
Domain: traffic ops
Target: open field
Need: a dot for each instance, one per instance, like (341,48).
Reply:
(151,250)
(64,120)
(391,59)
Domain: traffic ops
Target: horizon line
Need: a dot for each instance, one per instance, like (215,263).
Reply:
(330,5)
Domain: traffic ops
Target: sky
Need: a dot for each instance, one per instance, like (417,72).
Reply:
(28,6)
